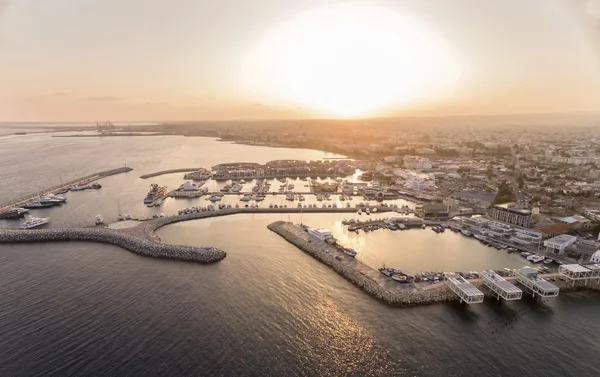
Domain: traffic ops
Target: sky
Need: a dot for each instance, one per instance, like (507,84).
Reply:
(155,60)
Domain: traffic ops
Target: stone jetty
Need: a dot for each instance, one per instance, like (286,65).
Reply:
(316,249)
(127,239)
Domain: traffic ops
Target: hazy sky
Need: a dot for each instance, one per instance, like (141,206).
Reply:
(128,60)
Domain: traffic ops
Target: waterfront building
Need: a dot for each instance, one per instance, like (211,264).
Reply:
(512,213)
(478,222)
(500,228)
(595,257)
(576,222)
(558,244)
(526,237)
(435,210)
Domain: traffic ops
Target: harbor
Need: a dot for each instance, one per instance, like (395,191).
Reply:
(454,286)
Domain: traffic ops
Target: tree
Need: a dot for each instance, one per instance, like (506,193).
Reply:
(521,181)
(596,228)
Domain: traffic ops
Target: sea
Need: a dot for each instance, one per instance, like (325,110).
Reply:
(268,309)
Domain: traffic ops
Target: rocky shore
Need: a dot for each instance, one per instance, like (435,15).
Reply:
(147,247)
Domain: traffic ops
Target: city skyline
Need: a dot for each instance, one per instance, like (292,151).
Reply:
(284,60)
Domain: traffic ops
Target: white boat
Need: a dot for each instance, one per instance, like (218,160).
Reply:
(34,222)
(466,233)
(535,258)
(99,220)
(158,202)
(548,261)
(359,211)
(320,198)
(128,216)
(246,198)
(258,198)
(301,198)
(215,198)
(289,196)
(350,252)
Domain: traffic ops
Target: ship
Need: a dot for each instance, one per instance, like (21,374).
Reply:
(13,213)
(34,222)
(156,192)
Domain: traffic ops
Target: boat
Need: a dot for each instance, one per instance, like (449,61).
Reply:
(128,216)
(367,211)
(258,198)
(34,222)
(548,261)
(320,197)
(466,233)
(37,204)
(246,198)
(350,252)
(156,192)
(76,188)
(359,211)
(13,213)
(290,186)
(99,220)
(53,198)
(215,198)
(301,197)
(158,202)
(535,258)
(289,196)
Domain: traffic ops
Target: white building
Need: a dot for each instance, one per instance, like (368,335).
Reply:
(526,237)
(595,257)
(558,244)
(417,163)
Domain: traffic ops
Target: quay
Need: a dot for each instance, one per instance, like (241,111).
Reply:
(79,181)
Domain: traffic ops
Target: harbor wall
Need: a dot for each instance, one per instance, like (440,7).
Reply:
(315,249)
(170,171)
(130,242)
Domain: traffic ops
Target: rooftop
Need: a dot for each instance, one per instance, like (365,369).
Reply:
(563,239)
(513,207)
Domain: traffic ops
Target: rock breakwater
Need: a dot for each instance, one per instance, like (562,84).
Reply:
(123,239)
(316,249)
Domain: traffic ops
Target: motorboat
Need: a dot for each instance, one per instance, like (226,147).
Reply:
(34,222)
(99,220)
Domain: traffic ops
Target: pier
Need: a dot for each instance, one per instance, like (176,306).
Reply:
(500,286)
(536,285)
(464,290)
(79,181)
(170,171)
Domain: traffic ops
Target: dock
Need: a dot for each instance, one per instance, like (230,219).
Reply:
(500,286)
(465,291)
(528,277)
(79,181)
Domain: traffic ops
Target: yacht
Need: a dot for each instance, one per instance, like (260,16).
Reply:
(466,233)
(246,198)
(535,258)
(158,202)
(156,192)
(13,213)
(99,220)
(350,252)
(259,198)
(76,188)
(301,197)
(120,217)
(290,186)
(215,198)
(34,222)
(128,216)
(53,198)
(320,197)
(289,196)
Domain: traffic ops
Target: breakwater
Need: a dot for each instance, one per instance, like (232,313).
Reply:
(170,171)
(144,246)
(358,275)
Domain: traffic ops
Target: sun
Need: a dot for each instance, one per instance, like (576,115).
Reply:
(349,60)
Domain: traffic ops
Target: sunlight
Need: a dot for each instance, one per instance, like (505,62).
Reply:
(349,60)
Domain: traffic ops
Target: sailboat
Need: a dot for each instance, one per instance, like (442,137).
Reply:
(119,216)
